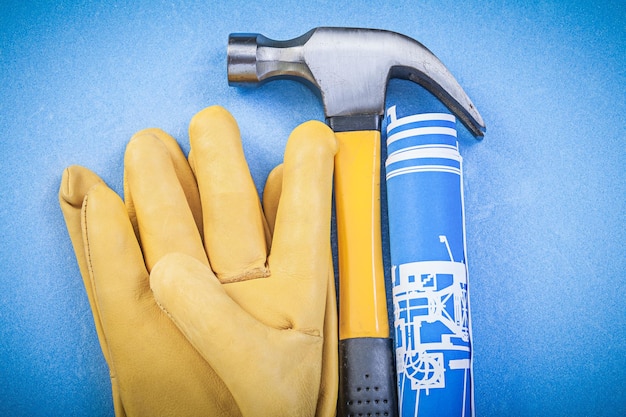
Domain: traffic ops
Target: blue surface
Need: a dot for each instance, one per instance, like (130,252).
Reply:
(545,192)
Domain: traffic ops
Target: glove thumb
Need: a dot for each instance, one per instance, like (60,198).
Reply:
(269,371)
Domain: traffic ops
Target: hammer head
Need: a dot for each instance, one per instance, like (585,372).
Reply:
(350,68)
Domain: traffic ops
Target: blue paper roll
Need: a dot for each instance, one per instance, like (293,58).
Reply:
(429,272)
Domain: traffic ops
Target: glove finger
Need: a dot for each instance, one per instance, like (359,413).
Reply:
(157,190)
(75,183)
(183,173)
(268,371)
(302,230)
(114,259)
(234,225)
(327,399)
(271,197)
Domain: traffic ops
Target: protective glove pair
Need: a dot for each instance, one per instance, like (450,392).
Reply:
(207,303)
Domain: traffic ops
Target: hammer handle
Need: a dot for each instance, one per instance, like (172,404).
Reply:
(366,371)
(362,298)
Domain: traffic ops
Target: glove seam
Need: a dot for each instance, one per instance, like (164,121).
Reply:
(164,310)
(256,273)
(87,247)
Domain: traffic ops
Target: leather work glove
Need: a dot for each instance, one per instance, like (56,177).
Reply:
(207,303)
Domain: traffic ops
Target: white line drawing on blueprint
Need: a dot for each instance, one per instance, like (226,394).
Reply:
(431,293)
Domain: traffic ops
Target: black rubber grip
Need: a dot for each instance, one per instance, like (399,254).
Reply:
(367,380)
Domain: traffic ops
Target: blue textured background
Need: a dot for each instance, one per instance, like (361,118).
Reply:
(545,191)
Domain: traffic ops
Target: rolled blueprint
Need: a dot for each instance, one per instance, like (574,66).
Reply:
(429,272)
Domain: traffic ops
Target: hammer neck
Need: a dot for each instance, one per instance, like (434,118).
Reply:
(354,123)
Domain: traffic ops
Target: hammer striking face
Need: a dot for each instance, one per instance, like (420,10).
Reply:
(350,68)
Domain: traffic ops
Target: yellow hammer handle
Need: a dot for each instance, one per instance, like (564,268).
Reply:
(362,299)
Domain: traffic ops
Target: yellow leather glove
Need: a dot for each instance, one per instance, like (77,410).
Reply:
(206,303)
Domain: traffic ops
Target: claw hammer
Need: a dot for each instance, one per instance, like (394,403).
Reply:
(350,68)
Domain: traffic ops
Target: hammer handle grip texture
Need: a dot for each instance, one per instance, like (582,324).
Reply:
(367,381)
(366,355)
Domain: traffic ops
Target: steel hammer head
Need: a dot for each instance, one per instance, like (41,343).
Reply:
(350,68)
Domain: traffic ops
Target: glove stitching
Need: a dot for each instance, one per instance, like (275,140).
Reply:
(164,310)
(86,244)
(311,332)
(87,249)
(255,273)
